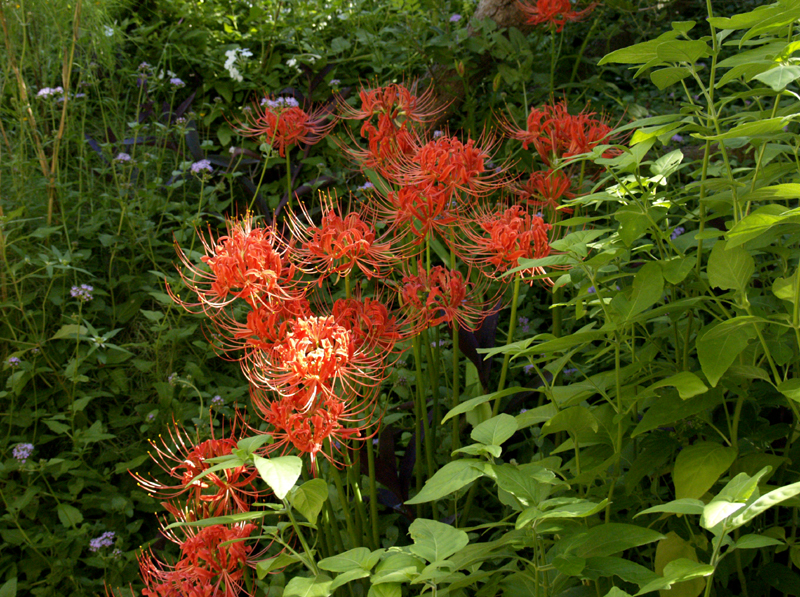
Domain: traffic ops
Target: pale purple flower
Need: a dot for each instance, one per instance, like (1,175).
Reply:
(104,540)
(366,186)
(437,134)
(280,102)
(217,400)
(13,362)
(591,290)
(568,372)
(677,138)
(48,91)
(122,158)
(455,18)
(529,369)
(677,232)
(335,82)
(172,378)
(22,451)
(198,167)
(176,82)
(523,324)
(83,292)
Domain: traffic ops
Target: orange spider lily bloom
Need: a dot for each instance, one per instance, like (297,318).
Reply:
(369,321)
(439,296)
(282,123)
(557,134)
(447,162)
(555,12)
(214,494)
(419,209)
(545,189)
(504,237)
(212,564)
(340,244)
(395,101)
(248,263)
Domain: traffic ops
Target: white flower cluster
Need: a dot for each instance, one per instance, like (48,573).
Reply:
(231,58)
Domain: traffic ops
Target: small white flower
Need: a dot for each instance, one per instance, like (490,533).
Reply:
(109,31)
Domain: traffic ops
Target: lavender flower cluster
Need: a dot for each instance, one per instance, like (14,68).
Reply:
(22,451)
(199,167)
(280,102)
(104,540)
(83,292)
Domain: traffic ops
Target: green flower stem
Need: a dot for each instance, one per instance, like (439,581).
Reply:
(343,501)
(373,496)
(309,560)
(290,200)
(418,417)
(333,526)
(258,186)
(426,427)
(354,474)
(456,398)
(582,49)
(512,326)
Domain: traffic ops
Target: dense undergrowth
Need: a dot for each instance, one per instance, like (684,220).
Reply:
(434,326)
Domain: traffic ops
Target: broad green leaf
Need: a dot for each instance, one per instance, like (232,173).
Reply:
(617,592)
(687,384)
(639,53)
(71,331)
(765,128)
(449,479)
(264,567)
(576,420)
(524,482)
(746,20)
(671,408)
(388,589)
(358,558)
(69,515)
(248,445)
(611,538)
(683,51)
(628,571)
(730,268)
(718,346)
(759,222)
(698,467)
(309,498)
(682,506)
(279,473)
(569,565)
(791,389)
(475,402)
(731,499)
(679,570)
(537,415)
(765,502)
(495,431)
(9,588)
(579,509)
(789,190)
(784,288)
(648,288)
(304,586)
(435,541)
(672,548)
(780,76)
(633,224)
(345,577)
(756,542)
(398,567)
(666,77)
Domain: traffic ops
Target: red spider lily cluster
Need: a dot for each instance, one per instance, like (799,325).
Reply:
(556,13)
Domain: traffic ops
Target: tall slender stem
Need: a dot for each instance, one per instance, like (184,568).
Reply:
(512,327)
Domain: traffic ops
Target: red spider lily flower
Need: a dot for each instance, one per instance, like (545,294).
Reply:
(557,134)
(439,296)
(282,123)
(385,142)
(212,564)
(314,424)
(447,162)
(396,101)
(369,321)
(504,237)
(212,494)
(555,12)
(418,209)
(317,354)
(248,263)
(545,189)
(340,244)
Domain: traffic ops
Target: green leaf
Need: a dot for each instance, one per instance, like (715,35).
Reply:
(9,588)
(264,567)
(633,224)
(779,77)
(682,506)
(388,589)
(667,77)
(766,128)
(435,541)
(576,420)
(698,467)
(475,402)
(70,331)
(309,498)
(527,482)
(358,558)
(345,577)
(639,53)
(628,571)
(730,268)
(398,567)
(648,288)
(279,473)
(784,288)
(303,586)
(248,445)
(732,498)
(759,222)
(495,431)
(679,570)
(791,389)
(718,345)
(569,565)
(756,542)
(611,538)
(765,502)
(687,384)
(449,479)
(683,51)
(69,516)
